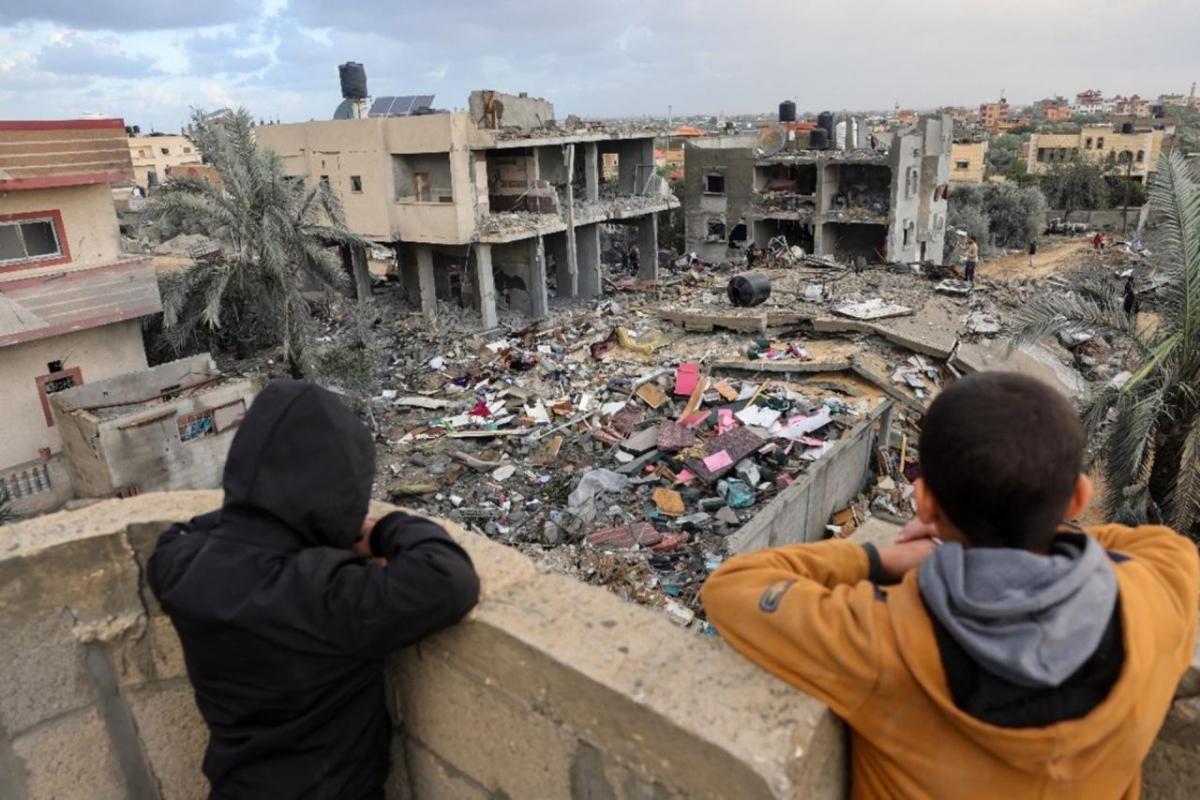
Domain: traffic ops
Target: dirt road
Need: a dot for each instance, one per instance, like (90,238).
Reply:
(1054,255)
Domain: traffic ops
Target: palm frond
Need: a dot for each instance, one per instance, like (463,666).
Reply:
(1183,503)
(1128,449)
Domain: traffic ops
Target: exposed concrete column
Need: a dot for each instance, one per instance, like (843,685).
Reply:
(571,286)
(591,171)
(648,247)
(362,273)
(409,278)
(587,239)
(537,278)
(487,285)
(426,281)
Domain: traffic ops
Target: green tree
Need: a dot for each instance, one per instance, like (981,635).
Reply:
(1016,215)
(1003,152)
(1075,184)
(1146,430)
(277,239)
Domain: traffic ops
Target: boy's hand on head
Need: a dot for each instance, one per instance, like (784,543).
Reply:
(362,546)
(915,530)
(899,558)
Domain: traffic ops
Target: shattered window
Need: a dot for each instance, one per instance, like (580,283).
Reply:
(716,230)
(197,426)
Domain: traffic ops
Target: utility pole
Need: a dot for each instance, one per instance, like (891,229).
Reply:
(1128,180)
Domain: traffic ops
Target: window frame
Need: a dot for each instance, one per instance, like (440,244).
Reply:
(709,191)
(53,216)
(356,179)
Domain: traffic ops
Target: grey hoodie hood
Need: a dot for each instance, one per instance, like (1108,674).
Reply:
(1030,619)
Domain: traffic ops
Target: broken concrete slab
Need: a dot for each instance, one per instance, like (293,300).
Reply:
(875,308)
(1034,360)
(705,321)
(641,441)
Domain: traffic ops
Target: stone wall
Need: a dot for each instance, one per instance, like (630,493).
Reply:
(549,689)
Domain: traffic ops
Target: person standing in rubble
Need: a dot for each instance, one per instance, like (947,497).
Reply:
(635,259)
(1131,298)
(284,614)
(971,261)
(996,650)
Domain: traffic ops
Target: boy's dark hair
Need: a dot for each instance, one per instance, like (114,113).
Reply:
(1001,453)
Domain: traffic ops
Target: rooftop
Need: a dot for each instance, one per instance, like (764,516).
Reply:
(40,154)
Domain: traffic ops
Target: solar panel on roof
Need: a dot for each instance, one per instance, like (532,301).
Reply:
(400,106)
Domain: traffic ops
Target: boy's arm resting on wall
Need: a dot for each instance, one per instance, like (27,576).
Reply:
(806,613)
(427,584)
(1170,557)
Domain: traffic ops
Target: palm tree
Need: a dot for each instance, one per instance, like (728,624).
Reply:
(276,237)
(1147,429)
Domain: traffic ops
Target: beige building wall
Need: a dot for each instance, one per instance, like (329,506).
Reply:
(343,150)
(967,160)
(89,221)
(147,154)
(1096,143)
(100,352)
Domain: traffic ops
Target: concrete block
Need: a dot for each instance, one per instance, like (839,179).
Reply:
(173,736)
(605,668)
(1172,769)
(496,738)
(70,758)
(41,672)
(431,778)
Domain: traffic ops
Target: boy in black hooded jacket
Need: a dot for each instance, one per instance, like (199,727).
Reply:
(284,624)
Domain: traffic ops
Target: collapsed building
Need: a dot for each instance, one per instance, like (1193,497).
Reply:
(496,202)
(835,191)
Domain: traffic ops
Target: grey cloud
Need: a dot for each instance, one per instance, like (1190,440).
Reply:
(127,15)
(214,54)
(101,58)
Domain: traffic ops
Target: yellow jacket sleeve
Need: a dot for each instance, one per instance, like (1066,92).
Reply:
(805,613)
(1171,558)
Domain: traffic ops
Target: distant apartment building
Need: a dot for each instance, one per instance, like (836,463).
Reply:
(498,200)
(1119,146)
(1089,101)
(885,203)
(155,155)
(968,160)
(993,115)
(1133,106)
(71,302)
(1055,109)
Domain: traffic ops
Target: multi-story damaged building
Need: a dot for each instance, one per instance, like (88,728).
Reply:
(838,192)
(499,201)
(71,301)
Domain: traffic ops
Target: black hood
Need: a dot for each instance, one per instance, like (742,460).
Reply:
(302,457)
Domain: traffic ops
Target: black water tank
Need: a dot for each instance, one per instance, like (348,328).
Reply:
(1126,127)
(818,139)
(825,120)
(749,289)
(787,111)
(354,80)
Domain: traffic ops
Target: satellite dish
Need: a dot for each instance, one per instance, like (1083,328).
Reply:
(771,140)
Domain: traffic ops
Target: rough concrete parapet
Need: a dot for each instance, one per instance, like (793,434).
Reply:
(550,688)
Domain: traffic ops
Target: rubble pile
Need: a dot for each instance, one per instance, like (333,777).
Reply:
(625,440)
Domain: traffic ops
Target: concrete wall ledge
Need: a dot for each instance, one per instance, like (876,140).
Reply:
(549,689)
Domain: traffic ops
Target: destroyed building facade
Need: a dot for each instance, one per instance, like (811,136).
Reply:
(835,195)
(496,202)
(157,155)
(161,429)
(71,302)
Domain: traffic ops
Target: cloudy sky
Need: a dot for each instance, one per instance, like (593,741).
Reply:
(150,60)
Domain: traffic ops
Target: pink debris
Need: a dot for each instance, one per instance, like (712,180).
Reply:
(717,461)
(686,376)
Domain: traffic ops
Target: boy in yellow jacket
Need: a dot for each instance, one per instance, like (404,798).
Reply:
(1012,656)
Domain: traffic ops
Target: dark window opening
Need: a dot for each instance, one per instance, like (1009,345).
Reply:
(739,235)
(166,151)
(962,164)
(356,184)
(28,240)
(325,181)
(1141,156)
(714,184)
(716,230)
(54,366)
